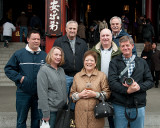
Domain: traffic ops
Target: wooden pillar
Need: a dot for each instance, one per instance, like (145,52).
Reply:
(74,10)
(149,9)
(55,20)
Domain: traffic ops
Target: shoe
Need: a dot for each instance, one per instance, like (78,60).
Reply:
(6,44)
(156,85)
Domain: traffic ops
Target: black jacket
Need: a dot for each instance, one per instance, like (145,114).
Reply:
(73,62)
(141,74)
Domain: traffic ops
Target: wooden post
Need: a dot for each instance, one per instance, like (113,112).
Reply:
(55,20)
(149,9)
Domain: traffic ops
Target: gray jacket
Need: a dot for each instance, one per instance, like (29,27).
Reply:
(52,90)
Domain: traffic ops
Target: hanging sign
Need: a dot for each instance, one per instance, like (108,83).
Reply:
(53,18)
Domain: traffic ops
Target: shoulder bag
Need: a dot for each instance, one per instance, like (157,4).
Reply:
(103,109)
(65,117)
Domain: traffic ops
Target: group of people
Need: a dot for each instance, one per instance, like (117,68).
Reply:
(46,81)
(145,30)
(23,23)
(152,55)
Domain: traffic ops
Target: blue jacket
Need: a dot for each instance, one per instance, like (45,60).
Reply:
(116,40)
(27,64)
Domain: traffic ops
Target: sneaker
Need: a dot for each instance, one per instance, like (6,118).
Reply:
(6,44)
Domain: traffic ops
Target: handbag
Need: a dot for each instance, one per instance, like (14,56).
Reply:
(45,124)
(103,109)
(65,117)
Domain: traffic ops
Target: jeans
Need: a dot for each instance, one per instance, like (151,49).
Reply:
(24,102)
(52,119)
(25,30)
(69,80)
(120,120)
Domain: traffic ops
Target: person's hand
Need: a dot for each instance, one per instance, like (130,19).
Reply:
(90,94)
(22,79)
(82,94)
(46,119)
(133,88)
(144,57)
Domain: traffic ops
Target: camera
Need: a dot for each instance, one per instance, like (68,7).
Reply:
(128,80)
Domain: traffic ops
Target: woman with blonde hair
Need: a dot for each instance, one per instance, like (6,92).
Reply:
(51,86)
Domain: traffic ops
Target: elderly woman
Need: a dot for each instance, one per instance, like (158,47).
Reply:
(85,91)
(51,84)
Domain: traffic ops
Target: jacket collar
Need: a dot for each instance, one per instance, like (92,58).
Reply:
(31,51)
(65,39)
(114,46)
(83,72)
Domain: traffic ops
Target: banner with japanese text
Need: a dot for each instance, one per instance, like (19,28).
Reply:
(53,18)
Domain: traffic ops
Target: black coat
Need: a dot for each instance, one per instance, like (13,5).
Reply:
(155,61)
(148,55)
(141,74)
(147,32)
(73,62)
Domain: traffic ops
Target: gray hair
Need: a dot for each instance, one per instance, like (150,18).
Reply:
(126,38)
(116,17)
(71,21)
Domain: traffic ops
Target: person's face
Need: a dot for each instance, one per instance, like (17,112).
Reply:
(115,25)
(56,56)
(71,30)
(154,46)
(89,63)
(34,41)
(126,48)
(105,37)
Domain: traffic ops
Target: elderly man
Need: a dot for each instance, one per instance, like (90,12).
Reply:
(129,78)
(106,50)
(74,49)
(118,32)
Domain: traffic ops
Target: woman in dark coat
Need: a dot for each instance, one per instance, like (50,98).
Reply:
(147,31)
(155,64)
(147,53)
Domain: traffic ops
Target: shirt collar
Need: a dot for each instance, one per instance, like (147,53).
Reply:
(126,59)
(109,49)
(115,35)
(31,51)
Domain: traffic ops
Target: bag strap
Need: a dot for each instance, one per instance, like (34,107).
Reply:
(102,97)
(69,103)
(126,115)
(126,68)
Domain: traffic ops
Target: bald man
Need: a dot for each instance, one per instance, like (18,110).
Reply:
(106,50)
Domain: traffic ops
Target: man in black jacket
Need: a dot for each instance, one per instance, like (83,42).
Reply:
(129,86)
(74,49)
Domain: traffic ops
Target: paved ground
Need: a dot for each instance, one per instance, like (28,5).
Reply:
(8,109)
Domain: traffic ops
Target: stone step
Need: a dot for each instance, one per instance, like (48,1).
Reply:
(4,79)
(3,62)
(7,84)
(8,120)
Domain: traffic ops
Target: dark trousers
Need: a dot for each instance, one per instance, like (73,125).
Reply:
(157,73)
(24,102)
(111,121)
